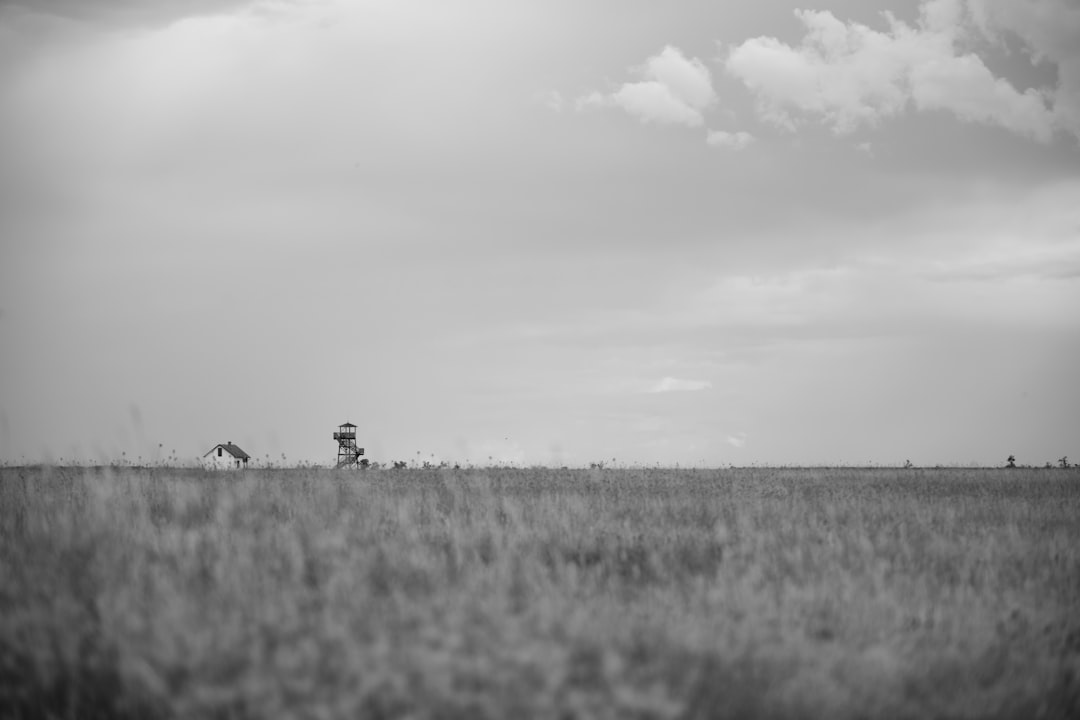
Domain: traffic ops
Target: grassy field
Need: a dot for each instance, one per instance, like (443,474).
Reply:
(503,593)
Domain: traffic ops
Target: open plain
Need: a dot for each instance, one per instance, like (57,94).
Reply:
(499,592)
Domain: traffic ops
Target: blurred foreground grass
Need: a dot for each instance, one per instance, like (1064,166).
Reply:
(500,593)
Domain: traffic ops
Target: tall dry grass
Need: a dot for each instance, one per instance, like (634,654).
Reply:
(168,593)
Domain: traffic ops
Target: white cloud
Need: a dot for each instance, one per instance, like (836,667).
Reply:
(965,86)
(1050,30)
(737,440)
(551,99)
(673,90)
(848,75)
(670,384)
(736,140)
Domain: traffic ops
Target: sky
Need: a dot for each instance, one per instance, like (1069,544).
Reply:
(541,233)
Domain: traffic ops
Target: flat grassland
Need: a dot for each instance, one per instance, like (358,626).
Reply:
(508,593)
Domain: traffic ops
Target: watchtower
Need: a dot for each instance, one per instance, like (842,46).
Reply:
(348,455)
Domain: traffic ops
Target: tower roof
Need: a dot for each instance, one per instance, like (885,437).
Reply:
(348,424)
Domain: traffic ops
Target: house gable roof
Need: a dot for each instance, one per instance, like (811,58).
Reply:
(233,450)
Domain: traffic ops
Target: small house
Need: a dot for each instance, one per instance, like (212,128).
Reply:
(226,455)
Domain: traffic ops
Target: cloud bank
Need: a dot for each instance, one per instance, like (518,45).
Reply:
(735,140)
(673,90)
(670,384)
(848,75)
(113,13)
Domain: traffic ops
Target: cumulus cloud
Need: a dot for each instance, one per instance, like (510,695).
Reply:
(673,90)
(967,88)
(844,72)
(1050,32)
(670,384)
(849,75)
(736,140)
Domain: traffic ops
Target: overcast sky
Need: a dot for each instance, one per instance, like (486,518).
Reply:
(547,232)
